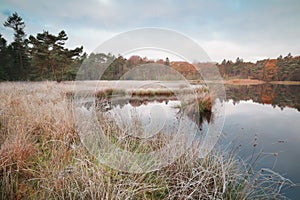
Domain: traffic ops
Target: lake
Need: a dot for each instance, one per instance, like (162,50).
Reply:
(260,120)
(269,113)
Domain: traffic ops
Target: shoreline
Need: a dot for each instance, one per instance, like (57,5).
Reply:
(109,83)
(254,82)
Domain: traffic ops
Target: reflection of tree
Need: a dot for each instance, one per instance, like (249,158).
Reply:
(199,111)
(110,102)
(107,103)
(274,94)
(200,118)
(267,95)
(135,102)
(193,110)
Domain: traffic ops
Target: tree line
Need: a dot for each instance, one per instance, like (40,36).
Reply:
(45,57)
(109,67)
(281,69)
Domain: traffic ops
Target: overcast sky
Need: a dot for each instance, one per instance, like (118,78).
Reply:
(249,29)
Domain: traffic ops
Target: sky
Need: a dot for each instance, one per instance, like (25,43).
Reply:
(225,29)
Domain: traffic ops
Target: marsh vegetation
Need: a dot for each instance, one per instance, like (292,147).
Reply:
(42,157)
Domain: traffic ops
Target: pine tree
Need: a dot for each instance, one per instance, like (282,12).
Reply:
(17,49)
(50,59)
(4,60)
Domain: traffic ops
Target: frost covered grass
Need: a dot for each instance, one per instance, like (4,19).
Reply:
(41,157)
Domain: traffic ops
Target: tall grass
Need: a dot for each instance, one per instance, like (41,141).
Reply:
(41,157)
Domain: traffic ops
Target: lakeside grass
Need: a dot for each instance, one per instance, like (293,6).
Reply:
(41,157)
(140,92)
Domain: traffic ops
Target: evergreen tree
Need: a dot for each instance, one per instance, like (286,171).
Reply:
(167,63)
(17,49)
(4,60)
(50,59)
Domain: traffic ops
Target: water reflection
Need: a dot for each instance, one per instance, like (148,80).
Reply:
(273,94)
(170,103)
(265,119)
(108,103)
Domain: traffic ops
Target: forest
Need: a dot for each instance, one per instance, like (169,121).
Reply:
(45,57)
(281,69)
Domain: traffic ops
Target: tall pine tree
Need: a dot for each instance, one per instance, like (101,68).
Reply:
(50,59)
(17,49)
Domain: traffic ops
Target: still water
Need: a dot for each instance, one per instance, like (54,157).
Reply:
(259,119)
(268,116)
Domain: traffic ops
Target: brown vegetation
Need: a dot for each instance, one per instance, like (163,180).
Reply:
(41,157)
(243,82)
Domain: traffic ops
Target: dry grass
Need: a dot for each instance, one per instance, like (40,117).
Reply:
(140,92)
(41,157)
(243,82)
